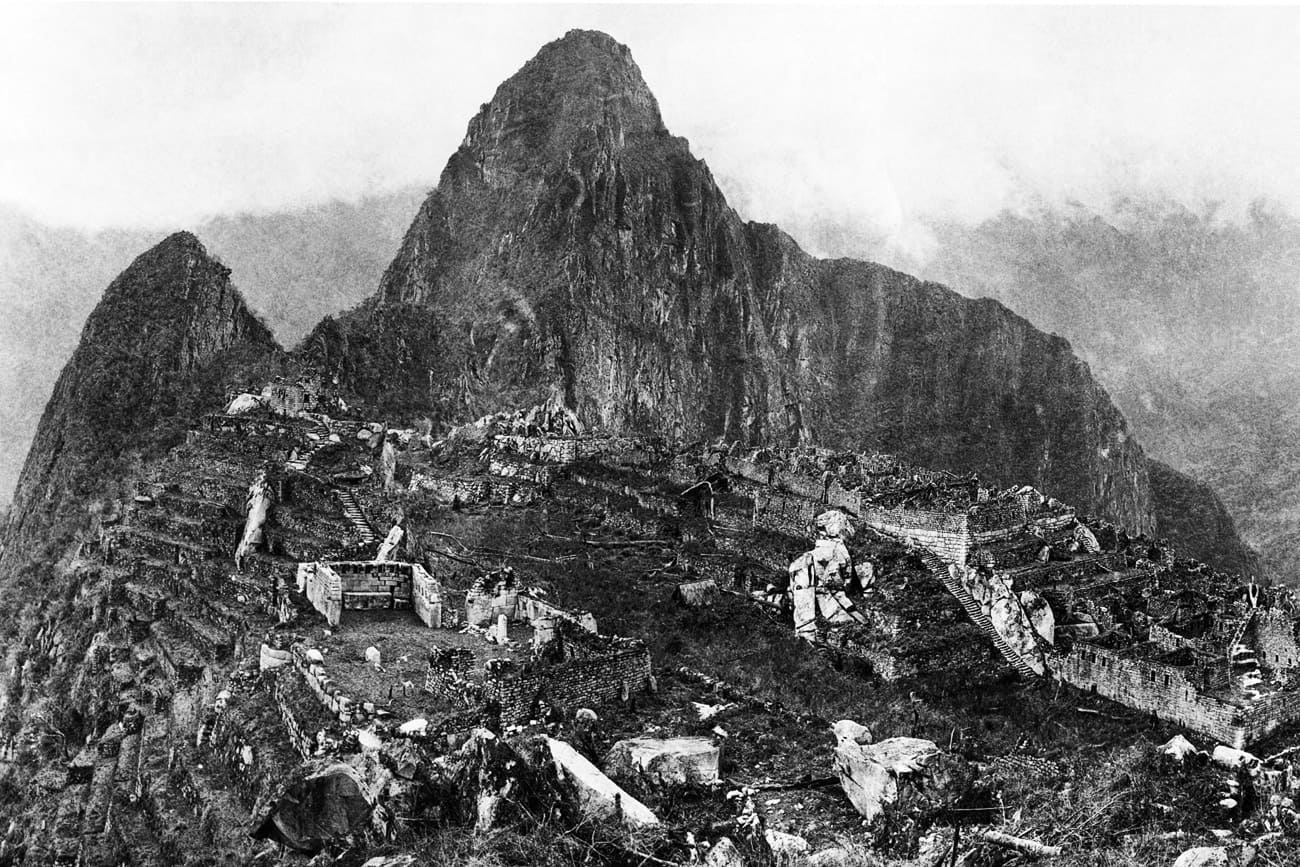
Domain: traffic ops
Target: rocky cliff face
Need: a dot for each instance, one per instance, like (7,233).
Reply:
(574,247)
(152,355)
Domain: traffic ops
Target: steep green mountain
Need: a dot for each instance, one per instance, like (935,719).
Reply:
(575,247)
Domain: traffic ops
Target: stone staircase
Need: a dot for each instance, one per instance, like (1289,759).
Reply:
(1242,659)
(356,517)
(976,614)
(318,437)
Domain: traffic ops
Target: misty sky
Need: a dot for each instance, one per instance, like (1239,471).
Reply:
(158,115)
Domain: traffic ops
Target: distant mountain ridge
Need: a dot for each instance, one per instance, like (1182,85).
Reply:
(1191,321)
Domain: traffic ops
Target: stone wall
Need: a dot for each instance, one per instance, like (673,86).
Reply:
(946,535)
(530,608)
(426,596)
(323,588)
(337,586)
(784,513)
(448,677)
(552,450)
(608,670)
(493,490)
(540,474)
(1275,636)
(1165,639)
(300,723)
(632,524)
(491,596)
(1172,693)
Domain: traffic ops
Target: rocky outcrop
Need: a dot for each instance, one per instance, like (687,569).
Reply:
(575,248)
(156,349)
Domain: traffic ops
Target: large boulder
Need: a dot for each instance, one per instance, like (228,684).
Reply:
(1012,623)
(1233,758)
(787,849)
(1040,614)
(834,524)
(724,854)
(243,403)
(665,761)
(597,795)
(478,782)
(1203,856)
(392,861)
(313,807)
(870,773)
(1179,748)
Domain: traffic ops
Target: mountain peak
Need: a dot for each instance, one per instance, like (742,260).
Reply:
(584,83)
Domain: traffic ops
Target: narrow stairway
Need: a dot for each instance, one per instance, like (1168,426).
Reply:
(356,517)
(305,455)
(976,614)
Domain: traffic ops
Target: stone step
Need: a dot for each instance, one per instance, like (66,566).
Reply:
(976,614)
(356,516)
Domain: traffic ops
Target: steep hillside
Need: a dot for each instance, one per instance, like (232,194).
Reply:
(156,350)
(575,247)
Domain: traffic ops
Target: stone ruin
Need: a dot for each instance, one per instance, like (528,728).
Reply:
(335,587)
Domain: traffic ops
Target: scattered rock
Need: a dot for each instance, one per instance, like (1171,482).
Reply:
(243,403)
(787,849)
(416,726)
(313,807)
(1232,758)
(1203,856)
(391,861)
(1179,748)
(832,857)
(597,795)
(696,594)
(706,712)
(724,854)
(670,761)
(270,658)
(869,772)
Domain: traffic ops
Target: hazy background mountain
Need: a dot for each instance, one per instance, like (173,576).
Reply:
(1189,320)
